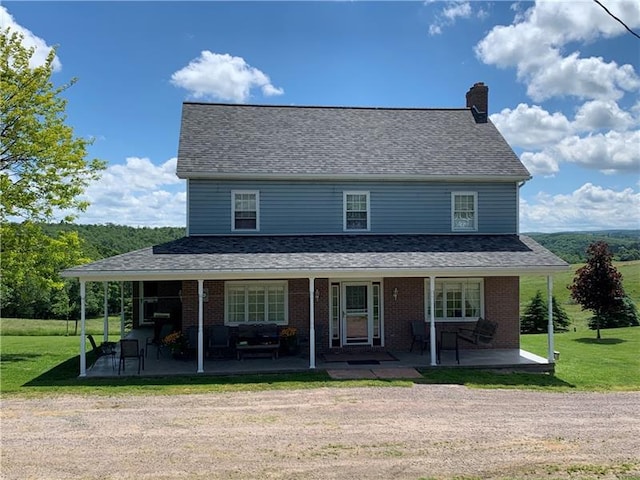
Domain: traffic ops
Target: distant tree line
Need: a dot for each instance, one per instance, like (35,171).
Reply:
(37,299)
(572,246)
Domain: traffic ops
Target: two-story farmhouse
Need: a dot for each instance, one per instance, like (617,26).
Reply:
(346,223)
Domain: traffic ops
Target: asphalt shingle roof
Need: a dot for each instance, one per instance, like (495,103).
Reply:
(252,140)
(304,255)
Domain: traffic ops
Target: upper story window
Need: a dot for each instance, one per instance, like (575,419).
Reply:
(245,210)
(464,211)
(356,211)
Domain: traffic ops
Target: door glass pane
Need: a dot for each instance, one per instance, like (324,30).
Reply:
(356,298)
(335,310)
(376,309)
(357,327)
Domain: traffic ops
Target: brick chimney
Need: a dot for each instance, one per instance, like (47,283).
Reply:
(478,102)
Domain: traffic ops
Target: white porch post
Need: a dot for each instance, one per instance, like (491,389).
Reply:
(83,348)
(432,319)
(121,309)
(312,321)
(200,326)
(550,355)
(105,326)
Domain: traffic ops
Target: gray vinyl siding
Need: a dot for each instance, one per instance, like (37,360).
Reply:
(317,207)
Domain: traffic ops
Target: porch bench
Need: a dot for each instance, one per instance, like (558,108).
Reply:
(258,338)
(483,332)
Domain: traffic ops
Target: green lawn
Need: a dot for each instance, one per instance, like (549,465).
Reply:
(28,326)
(579,319)
(613,363)
(36,365)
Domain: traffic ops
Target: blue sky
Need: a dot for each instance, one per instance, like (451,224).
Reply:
(563,77)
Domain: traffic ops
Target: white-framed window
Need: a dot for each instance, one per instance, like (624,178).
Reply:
(356,211)
(245,210)
(456,299)
(464,211)
(256,302)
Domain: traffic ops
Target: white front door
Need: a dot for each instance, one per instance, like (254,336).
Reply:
(357,316)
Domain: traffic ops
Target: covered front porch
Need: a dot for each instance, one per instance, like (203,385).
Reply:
(349,292)
(166,365)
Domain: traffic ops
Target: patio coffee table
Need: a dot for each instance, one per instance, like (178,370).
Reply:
(272,348)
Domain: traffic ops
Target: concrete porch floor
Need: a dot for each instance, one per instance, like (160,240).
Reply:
(512,359)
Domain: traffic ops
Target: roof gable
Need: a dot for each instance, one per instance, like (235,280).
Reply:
(222,140)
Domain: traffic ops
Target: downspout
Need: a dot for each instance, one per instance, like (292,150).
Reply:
(83,348)
(312,321)
(432,320)
(519,185)
(200,326)
(550,354)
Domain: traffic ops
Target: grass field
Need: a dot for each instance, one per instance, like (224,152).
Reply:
(38,327)
(579,319)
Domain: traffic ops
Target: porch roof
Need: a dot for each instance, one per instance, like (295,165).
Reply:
(332,256)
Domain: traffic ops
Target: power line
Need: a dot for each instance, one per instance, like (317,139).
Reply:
(621,22)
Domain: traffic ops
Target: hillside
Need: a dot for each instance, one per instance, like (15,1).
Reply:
(571,246)
(102,241)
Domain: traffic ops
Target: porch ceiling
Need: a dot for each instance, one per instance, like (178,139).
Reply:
(333,256)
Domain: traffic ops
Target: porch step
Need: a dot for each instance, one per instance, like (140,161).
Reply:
(372,373)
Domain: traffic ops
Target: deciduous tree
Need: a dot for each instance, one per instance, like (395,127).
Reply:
(43,166)
(598,285)
(43,171)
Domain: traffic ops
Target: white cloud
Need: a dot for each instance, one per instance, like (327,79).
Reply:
(451,12)
(608,145)
(540,163)
(581,77)
(590,207)
(531,126)
(455,10)
(535,43)
(602,115)
(612,152)
(222,77)
(29,40)
(137,193)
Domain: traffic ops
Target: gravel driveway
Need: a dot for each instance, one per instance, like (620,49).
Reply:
(428,431)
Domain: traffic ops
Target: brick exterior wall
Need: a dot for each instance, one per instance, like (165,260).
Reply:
(399,313)
(501,305)
(299,305)
(213,307)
